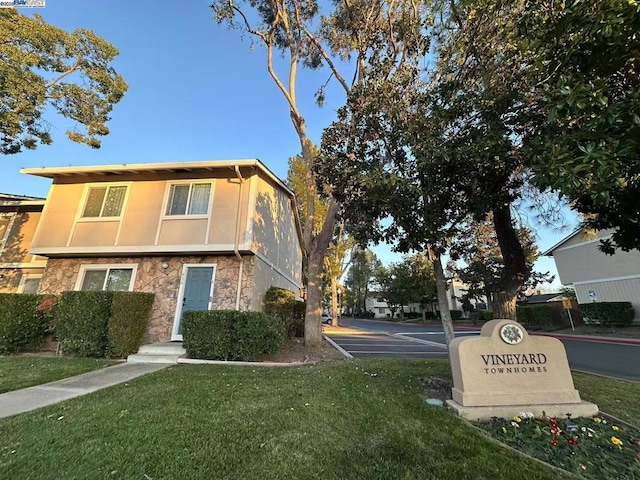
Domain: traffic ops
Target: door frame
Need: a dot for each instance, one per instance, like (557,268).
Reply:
(183,285)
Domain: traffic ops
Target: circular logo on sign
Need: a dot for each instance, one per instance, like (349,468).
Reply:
(511,334)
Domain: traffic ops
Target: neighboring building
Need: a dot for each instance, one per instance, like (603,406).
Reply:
(200,235)
(20,271)
(594,275)
(456,289)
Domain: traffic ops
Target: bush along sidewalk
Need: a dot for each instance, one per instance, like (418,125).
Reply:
(23,324)
(102,324)
(231,335)
(589,447)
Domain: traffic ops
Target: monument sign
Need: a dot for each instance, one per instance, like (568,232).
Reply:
(506,371)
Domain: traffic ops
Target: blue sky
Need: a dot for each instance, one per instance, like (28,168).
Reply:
(197,91)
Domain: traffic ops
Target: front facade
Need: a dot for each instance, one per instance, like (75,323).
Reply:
(20,271)
(594,275)
(200,235)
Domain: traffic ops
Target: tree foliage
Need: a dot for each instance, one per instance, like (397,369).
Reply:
(43,66)
(364,264)
(483,265)
(410,281)
(585,78)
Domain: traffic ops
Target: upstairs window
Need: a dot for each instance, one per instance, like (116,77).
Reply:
(189,199)
(104,201)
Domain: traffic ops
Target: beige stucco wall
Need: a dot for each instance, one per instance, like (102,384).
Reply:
(274,230)
(586,263)
(61,275)
(16,249)
(266,276)
(142,222)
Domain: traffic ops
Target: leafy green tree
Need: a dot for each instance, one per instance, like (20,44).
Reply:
(483,266)
(406,282)
(336,260)
(43,66)
(348,35)
(584,73)
(364,263)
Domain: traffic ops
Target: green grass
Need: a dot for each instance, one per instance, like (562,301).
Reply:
(23,372)
(335,420)
(342,420)
(615,397)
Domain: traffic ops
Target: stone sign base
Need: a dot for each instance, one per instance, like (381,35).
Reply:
(582,409)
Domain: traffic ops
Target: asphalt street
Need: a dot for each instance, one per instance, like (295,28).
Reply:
(615,360)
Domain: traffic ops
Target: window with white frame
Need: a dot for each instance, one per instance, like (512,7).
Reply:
(104,201)
(381,310)
(106,277)
(189,199)
(29,283)
(6,221)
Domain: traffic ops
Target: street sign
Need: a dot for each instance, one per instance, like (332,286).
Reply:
(592,295)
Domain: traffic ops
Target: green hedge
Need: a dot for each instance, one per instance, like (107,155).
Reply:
(456,315)
(81,322)
(22,325)
(102,324)
(539,315)
(129,322)
(620,314)
(282,303)
(231,335)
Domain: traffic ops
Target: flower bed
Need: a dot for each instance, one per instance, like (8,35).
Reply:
(590,447)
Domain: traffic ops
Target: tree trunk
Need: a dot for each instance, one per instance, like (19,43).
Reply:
(334,301)
(504,305)
(443,301)
(313,314)
(516,271)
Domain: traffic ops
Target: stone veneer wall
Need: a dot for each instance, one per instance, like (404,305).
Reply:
(61,274)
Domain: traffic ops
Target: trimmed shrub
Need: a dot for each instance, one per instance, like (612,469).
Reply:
(207,334)
(231,335)
(81,322)
(487,315)
(539,315)
(456,315)
(282,303)
(128,323)
(22,325)
(619,314)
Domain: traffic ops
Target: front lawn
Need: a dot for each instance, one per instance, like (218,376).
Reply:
(27,371)
(615,397)
(363,419)
(339,420)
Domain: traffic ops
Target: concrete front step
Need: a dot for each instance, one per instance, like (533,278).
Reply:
(158,353)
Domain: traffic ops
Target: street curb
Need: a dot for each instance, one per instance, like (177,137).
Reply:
(603,375)
(569,336)
(587,338)
(344,353)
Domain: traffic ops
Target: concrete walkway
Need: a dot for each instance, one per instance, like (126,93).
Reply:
(32,398)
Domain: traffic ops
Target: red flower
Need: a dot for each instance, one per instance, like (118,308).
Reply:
(554,442)
(572,441)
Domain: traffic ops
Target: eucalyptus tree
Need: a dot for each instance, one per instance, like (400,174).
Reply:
(373,38)
(44,66)
(336,260)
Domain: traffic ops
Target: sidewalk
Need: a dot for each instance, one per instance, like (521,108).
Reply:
(27,399)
